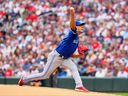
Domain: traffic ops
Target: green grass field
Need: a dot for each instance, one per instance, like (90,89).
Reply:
(122,94)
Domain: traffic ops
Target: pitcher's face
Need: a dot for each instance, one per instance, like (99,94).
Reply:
(80,29)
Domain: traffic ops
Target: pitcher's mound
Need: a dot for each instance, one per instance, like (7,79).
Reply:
(15,90)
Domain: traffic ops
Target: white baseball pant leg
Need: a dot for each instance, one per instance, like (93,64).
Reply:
(53,62)
(68,63)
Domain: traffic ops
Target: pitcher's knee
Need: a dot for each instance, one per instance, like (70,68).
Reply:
(74,70)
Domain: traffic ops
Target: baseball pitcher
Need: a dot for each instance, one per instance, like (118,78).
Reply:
(61,56)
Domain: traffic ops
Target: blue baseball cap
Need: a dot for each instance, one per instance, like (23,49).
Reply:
(79,23)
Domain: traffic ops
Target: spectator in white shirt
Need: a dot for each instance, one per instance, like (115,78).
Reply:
(122,74)
(101,72)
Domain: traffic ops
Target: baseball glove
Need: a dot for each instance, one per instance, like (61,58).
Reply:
(83,50)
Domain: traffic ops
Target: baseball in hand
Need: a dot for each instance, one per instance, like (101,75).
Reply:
(72,9)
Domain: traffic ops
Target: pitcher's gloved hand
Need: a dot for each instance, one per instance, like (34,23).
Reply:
(83,50)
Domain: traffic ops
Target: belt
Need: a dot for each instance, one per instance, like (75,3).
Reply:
(63,57)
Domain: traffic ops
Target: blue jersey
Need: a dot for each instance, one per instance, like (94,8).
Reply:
(68,45)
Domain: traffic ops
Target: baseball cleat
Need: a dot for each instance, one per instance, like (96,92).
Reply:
(21,82)
(81,89)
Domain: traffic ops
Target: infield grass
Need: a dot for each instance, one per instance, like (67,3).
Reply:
(122,94)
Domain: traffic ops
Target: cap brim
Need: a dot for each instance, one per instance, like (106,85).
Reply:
(81,24)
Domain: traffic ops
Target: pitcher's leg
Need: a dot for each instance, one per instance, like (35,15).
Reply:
(70,65)
(51,65)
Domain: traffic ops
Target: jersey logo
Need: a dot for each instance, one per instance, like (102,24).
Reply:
(75,41)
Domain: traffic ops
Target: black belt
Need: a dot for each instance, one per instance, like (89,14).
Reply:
(63,57)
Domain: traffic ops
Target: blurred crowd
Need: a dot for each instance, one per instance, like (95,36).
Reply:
(30,29)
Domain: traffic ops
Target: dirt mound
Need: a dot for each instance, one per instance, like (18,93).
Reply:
(15,90)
